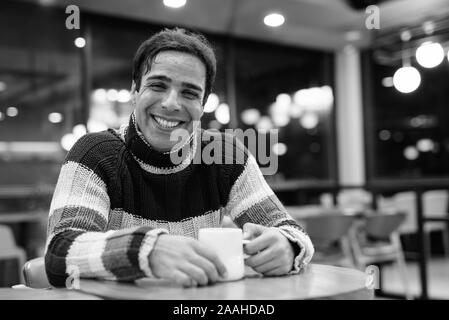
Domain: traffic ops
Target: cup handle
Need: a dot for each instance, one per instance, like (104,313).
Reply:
(245,241)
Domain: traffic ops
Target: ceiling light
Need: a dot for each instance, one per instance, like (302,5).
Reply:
(279,149)
(79,130)
(264,124)
(425,145)
(80,42)
(112,95)
(55,117)
(250,116)
(384,135)
(387,82)
(100,95)
(430,54)
(406,79)
(309,120)
(67,141)
(12,112)
(406,35)
(174,3)
(411,153)
(123,96)
(428,27)
(222,114)
(274,20)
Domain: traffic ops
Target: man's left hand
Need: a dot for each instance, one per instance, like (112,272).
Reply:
(271,252)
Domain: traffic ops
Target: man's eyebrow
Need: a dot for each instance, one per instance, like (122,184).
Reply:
(156,77)
(167,79)
(192,86)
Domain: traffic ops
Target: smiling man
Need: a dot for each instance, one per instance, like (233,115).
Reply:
(122,209)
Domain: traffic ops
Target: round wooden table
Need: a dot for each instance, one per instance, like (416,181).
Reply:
(314,282)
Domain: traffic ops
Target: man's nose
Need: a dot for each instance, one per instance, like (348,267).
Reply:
(170,102)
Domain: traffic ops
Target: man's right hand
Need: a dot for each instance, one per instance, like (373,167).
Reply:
(185,260)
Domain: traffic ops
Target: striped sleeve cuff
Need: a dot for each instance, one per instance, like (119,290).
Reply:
(145,249)
(303,241)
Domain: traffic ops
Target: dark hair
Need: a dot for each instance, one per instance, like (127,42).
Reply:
(176,39)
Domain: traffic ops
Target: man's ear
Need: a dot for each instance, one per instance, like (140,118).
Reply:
(133,93)
(133,87)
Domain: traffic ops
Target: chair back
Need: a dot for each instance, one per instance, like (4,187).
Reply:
(358,199)
(381,225)
(7,240)
(435,203)
(301,212)
(327,228)
(34,274)
(406,202)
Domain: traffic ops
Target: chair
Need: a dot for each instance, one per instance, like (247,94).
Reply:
(299,212)
(376,240)
(435,204)
(9,249)
(357,199)
(330,236)
(35,275)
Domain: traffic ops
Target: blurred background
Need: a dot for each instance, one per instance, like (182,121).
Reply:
(358,91)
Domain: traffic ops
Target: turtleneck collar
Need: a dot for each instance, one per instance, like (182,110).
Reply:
(155,161)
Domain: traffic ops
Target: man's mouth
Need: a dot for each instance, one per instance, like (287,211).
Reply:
(167,124)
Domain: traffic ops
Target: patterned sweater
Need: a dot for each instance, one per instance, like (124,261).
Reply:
(115,195)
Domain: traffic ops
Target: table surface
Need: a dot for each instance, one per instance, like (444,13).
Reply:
(44,294)
(314,282)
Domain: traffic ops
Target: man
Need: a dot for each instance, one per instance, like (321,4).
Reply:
(123,209)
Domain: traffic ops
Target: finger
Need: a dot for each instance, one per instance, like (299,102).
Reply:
(260,243)
(207,253)
(267,266)
(195,273)
(278,271)
(181,279)
(207,266)
(260,258)
(251,230)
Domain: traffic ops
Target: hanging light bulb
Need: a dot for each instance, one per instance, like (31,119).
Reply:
(406,79)
(430,54)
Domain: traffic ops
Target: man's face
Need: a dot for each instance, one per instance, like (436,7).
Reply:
(169,97)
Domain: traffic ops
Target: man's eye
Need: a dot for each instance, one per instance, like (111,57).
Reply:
(157,86)
(190,94)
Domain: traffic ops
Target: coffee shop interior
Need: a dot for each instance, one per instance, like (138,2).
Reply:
(349,95)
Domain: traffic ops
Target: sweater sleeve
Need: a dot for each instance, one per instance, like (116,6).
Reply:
(77,236)
(252,200)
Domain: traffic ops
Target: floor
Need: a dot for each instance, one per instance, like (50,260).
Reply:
(437,273)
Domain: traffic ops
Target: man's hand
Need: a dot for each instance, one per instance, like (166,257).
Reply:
(185,260)
(271,252)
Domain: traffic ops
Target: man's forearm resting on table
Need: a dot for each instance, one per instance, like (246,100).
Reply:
(113,255)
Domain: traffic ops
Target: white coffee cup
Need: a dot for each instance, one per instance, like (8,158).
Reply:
(227,243)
